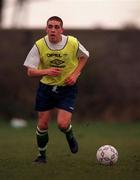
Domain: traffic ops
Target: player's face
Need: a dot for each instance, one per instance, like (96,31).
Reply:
(54,31)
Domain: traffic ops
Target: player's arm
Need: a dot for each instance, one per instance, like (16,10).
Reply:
(32,72)
(32,62)
(83,56)
(74,76)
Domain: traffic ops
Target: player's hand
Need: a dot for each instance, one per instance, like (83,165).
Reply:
(53,71)
(71,79)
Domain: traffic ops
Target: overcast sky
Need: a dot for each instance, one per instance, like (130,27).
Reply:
(75,13)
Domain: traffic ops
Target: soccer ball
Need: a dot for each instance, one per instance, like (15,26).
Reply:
(107,155)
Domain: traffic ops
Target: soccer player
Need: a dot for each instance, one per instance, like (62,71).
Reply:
(58,60)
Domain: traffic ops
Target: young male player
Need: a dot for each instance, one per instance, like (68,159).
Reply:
(59,60)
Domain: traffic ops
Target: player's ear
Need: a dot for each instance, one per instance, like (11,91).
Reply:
(62,30)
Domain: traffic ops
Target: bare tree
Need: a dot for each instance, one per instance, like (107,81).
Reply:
(20,13)
(1,8)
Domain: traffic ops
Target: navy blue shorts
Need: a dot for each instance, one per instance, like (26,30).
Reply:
(49,97)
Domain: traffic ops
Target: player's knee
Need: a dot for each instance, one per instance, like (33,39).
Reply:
(63,126)
(42,125)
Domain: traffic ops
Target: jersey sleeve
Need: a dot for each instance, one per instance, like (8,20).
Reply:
(82,51)
(32,60)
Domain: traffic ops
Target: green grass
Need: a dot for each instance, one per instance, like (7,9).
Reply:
(18,149)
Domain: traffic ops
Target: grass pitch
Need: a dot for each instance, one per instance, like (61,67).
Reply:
(18,149)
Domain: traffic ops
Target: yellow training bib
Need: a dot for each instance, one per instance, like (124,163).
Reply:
(65,58)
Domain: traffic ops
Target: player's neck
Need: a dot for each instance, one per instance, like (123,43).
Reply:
(55,40)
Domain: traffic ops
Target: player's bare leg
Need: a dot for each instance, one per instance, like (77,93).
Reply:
(64,124)
(42,135)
